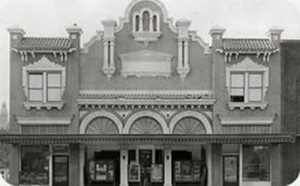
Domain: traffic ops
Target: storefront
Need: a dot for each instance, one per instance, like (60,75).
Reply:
(157,160)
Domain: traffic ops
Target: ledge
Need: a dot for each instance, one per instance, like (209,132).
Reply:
(44,120)
(241,121)
(243,106)
(276,138)
(39,105)
(146,36)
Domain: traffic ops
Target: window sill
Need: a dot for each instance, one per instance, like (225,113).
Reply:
(251,106)
(38,105)
(146,36)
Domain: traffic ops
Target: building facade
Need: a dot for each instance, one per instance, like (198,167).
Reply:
(145,102)
(290,108)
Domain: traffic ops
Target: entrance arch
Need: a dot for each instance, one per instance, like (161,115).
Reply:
(199,123)
(100,114)
(146,114)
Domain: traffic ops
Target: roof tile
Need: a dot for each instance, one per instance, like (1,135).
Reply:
(248,45)
(33,43)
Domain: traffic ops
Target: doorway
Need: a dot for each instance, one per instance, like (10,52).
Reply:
(145,157)
(230,170)
(60,170)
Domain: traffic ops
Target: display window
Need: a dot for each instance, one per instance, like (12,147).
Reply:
(34,165)
(256,163)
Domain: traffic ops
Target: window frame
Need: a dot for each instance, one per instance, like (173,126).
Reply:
(248,66)
(44,66)
(247,87)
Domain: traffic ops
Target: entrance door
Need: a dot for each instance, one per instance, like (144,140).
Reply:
(60,170)
(145,158)
(230,170)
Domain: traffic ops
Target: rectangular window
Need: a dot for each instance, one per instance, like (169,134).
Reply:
(237,89)
(34,165)
(54,87)
(246,87)
(45,86)
(255,87)
(35,87)
(256,163)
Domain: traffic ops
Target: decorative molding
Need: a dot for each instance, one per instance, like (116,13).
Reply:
(252,106)
(146,63)
(88,44)
(90,117)
(195,37)
(145,113)
(189,125)
(206,123)
(39,105)
(123,114)
(167,113)
(102,125)
(248,65)
(142,35)
(145,125)
(146,99)
(43,65)
(44,120)
(274,138)
(246,120)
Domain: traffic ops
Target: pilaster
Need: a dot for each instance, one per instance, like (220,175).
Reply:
(168,167)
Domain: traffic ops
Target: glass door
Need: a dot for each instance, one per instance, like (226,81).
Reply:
(60,170)
(145,162)
(230,170)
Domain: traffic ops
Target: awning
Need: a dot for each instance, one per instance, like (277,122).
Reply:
(148,139)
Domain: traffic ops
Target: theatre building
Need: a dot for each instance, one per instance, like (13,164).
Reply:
(145,102)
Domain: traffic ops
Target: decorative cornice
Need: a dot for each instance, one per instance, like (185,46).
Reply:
(151,94)
(44,120)
(149,139)
(146,99)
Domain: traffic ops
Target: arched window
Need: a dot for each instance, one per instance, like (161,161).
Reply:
(137,23)
(154,21)
(146,21)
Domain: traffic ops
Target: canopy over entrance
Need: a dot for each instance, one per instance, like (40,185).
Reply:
(148,139)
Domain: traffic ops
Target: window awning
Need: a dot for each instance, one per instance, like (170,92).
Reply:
(148,139)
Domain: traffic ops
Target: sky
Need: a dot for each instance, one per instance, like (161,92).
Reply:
(50,18)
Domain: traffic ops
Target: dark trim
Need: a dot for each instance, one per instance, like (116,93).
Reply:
(147,139)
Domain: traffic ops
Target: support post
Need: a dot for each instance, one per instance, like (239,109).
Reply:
(124,167)
(168,167)
(217,165)
(81,164)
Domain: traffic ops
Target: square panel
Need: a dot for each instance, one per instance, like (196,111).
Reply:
(255,94)
(54,94)
(255,80)
(54,80)
(237,80)
(35,80)
(35,95)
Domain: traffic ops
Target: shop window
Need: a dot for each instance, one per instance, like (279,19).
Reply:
(34,165)
(256,163)
(247,83)
(44,84)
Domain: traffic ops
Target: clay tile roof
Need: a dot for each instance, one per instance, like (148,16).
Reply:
(32,43)
(248,45)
